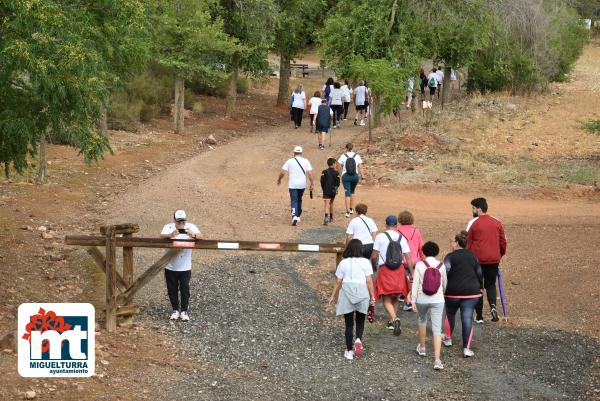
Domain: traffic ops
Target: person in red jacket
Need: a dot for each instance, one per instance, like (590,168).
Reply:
(487,241)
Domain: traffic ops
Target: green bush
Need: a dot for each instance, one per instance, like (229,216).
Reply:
(218,86)
(124,113)
(592,126)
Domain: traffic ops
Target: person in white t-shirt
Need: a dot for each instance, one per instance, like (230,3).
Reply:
(179,269)
(346,97)
(314,104)
(336,103)
(432,83)
(391,283)
(350,177)
(440,78)
(298,105)
(362,228)
(298,168)
(361,102)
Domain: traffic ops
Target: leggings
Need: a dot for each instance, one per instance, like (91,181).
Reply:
(490,272)
(360,327)
(346,109)
(297,116)
(466,306)
(337,112)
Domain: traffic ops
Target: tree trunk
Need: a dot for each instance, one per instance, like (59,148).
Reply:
(103,123)
(178,114)
(233,78)
(377,113)
(283,97)
(392,17)
(41,179)
(446,86)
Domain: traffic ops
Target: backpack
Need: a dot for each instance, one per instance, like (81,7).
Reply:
(327,90)
(431,279)
(393,255)
(432,82)
(350,164)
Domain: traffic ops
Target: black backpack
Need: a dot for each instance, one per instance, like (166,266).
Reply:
(393,255)
(350,164)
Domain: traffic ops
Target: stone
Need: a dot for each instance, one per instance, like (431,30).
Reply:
(9,342)
(46,235)
(42,229)
(30,395)
(211,140)
(28,228)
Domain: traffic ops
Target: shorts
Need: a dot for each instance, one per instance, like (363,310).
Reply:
(432,90)
(436,311)
(349,182)
(329,196)
(321,128)
(361,107)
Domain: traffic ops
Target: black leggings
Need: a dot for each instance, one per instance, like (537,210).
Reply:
(346,109)
(297,116)
(178,281)
(466,316)
(490,272)
(337,113)
(360,327)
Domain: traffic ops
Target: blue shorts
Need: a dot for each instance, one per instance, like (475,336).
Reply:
(321,128)
(349,182)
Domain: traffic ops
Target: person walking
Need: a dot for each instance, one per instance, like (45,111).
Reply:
(314,103)
(346,97)
(410,87)
(178,270)
(422,82)
(298,168)
(362,228)
(487,241)
(298,105)
(440,79)
(463,291)
(361,103)
(429,284)
(415,242)
(330,182)
(323,122)
(353,293)
(327,88)
(336,103)
(350,163)
(432,83)
(389,249)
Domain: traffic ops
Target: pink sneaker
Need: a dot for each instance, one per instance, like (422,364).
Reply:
(358,348)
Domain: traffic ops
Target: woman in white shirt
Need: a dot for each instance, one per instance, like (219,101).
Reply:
(314,104)
(362,228)
(429,303)
(346,97)
(298,105)
(353,293)
(350,178)
(336,104)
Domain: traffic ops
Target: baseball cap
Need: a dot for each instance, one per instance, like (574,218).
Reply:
(179,215)
(298,149)
(391,220)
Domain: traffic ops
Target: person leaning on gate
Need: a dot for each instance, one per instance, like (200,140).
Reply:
(179,269)
(298,168)
(486,240)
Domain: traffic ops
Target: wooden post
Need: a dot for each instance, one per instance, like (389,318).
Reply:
(127,263)
(111,280)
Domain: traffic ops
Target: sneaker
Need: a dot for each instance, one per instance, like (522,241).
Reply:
(184,316)
(397,328)
(494,313)
(362,124)
(479,320)
(467,353)
(421,351)
(347,214)
(355,122)
(349,355)
(438,365)
(358,348)
(175,315)
(447,341)
(407,307)
(325,221)
(390,325)
(295,220)
(345,119)
(330,219)
(351,210)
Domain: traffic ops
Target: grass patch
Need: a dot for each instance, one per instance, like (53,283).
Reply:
(580,173)
(592,126)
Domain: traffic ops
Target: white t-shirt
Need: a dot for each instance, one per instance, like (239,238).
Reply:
(183,261)
(382,241)
(314,103)
(336,97)
(358,229)
(410,85)
(360,94)
(344,157)
(354,270)
(297,178)
(346,92)
(435,78)
(299,100)
(440,76)
(452,75)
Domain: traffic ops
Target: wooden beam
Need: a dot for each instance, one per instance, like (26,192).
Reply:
(127,296)
(111,280)
(101,262)
(127,228)
(127,263)
(83,240)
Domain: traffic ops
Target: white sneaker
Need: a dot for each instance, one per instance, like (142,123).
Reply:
(349,355)
(467,353)
(185,317)
(347,214)
(438,365)
(447,341)
(295,220)
(175,315)
(362,124)
(421,351)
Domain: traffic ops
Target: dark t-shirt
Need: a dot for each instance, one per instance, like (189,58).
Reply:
(330,181)
(464,273)
(323,116)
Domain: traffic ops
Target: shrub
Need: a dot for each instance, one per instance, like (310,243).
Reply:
(217,86)
(592,126)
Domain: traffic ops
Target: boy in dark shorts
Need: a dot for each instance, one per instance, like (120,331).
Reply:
(330,181)
(323,122)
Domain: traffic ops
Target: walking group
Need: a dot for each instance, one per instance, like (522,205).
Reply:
(395,266)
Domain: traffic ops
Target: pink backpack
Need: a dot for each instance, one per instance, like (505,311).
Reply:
(431,279)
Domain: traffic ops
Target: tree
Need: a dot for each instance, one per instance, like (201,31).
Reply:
(296,23)
(190,42)
(248,22)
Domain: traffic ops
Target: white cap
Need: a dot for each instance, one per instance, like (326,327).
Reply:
(179,215)
(298,149)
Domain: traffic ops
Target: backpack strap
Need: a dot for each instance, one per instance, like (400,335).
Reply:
(391,240)
(439,266)
(369,228)
(350,157)
(302,168)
